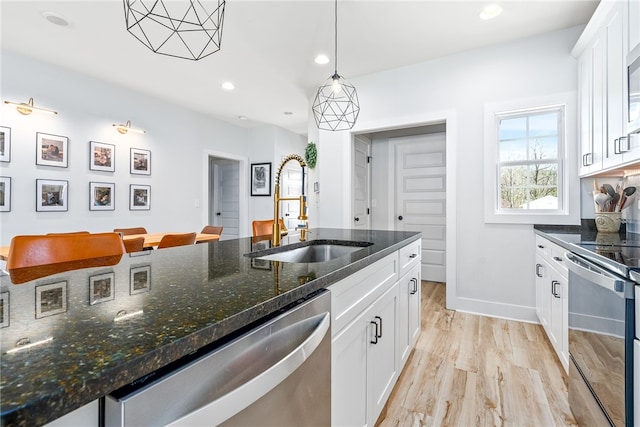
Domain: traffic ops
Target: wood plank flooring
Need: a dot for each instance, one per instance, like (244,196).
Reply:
(469,370)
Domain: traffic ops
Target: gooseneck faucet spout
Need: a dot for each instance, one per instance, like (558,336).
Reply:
(276,203)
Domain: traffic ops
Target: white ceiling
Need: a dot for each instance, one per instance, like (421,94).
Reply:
(268,46)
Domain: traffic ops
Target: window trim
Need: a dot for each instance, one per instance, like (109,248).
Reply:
(568,211)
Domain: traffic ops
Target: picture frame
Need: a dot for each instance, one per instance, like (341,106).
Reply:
(261,179)
(102,288)
(5,194)
(52,150)
(102,196)
(140,279)
(4,309)
(139,197)
(102,156)
(140,161)
(51,299)
(5,144)
(51,195)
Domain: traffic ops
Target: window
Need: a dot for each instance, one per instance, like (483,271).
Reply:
(529,170)
(528,162)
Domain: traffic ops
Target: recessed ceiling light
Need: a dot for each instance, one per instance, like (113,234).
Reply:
(242,118)
(288,113)
(228,86)
(490,11)
(321,59)
(56,19)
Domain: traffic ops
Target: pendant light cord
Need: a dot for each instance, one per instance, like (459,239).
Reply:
(336,37)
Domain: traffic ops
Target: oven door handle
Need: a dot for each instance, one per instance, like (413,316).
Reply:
(593,273)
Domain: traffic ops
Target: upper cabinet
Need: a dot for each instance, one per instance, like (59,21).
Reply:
(602,87)
(633,25)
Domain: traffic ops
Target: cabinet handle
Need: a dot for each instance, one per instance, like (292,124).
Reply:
(374,340)
(587,159)
(627,148)
(378,333)
(541,246)
(616,146)
(414,289)
(555,283)
(413,256)
(538,270)
(356,219)
(557,258)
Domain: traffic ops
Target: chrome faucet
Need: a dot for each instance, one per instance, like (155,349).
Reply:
(304,225)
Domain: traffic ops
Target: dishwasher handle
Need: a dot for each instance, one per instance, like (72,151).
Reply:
(593,273)
(226,406)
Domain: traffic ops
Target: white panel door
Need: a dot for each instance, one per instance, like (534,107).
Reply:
(225,185)
(360,182)
(420,196)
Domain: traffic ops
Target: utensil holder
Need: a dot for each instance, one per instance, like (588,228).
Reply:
(608,222)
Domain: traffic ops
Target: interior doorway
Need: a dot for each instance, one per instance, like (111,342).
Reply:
(408,189)
(224,196)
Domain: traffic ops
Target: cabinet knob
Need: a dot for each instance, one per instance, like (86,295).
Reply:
(400,217)
(356,219)
(557,258)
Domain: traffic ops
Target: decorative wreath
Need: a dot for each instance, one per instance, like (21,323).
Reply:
(311,155)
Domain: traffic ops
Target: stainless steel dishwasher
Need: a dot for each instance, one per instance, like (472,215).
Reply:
(277,374)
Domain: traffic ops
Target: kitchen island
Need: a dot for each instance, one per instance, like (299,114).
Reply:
(102,328)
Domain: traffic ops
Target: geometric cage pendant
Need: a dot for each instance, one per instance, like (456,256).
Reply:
(189,29)
(336,105)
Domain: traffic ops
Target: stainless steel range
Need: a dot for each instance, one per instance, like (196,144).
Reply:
(602,278)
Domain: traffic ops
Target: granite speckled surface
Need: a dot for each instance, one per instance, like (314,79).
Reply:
(177,299)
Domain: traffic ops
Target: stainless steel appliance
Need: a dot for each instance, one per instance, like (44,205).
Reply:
(277,374)
(601,334)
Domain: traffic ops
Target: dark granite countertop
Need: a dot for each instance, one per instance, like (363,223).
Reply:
(172,301)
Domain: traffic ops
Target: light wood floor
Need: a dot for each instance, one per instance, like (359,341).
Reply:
(469,370)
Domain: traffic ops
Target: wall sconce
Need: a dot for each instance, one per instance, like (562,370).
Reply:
(126,128)
(27,108)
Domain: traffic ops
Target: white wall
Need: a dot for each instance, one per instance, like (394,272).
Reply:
(493,271)
(180,141)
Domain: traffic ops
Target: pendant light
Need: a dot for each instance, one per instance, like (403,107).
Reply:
(336,104)
(185,29)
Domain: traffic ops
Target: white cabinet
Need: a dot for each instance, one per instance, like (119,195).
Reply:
(382,363)
(602,86)
(409,312)
(363,363)
(551,295)
(375,325)
(633,25)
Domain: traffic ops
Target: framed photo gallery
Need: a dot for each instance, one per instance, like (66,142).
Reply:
(52,194)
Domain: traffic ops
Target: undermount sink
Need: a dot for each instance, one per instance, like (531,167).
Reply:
(313,251)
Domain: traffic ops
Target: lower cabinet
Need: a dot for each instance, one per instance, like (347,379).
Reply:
(364,363)
(376,323)
(551,296)
(409,312)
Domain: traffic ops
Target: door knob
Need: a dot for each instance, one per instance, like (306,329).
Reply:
(400,217)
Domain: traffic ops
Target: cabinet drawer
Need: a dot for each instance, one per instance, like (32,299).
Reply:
(543,246)
(409,256)
(557,259)
(553,253)
(352,295)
